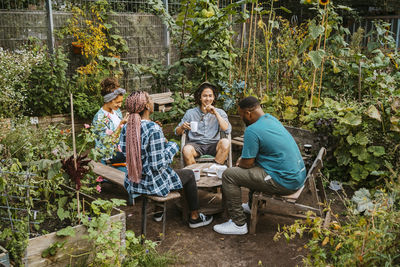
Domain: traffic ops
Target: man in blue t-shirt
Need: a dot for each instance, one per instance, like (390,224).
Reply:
(271,162)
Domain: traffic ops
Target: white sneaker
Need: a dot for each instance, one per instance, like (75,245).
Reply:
(230,228)
(246,208)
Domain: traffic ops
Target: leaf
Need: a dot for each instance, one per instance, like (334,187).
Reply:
(395,104)
(352,119)
(361,138)
(326,240)
(360,152)
(316,31)
(358,172)
(68,231)
(316,57)
(290,113)
(62,214)
(377,151)
(285,9)
(374,113)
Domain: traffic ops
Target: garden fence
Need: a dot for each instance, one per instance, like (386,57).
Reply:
(146,36)
(16,202)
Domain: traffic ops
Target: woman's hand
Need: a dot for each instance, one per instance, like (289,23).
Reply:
(159,123)
(124,119)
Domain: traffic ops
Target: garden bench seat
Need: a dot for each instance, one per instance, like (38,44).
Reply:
(162,101)
(313,184)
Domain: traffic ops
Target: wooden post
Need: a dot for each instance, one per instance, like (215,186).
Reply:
(74,146)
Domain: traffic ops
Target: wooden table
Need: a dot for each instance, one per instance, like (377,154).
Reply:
(209,201)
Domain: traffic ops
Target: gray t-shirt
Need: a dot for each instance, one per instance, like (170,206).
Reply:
(208,126)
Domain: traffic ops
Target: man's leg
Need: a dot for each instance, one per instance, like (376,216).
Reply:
(189,153)
(223,147)
(232,180)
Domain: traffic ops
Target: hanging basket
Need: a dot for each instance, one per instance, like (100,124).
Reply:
(77,48)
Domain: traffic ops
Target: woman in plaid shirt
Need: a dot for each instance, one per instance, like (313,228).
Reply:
(148,156)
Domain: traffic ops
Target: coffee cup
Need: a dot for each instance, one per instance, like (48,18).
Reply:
(193,126)
(196,174)
(220,171)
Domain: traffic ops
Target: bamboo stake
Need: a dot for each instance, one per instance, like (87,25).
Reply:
(268,44)
(241,43)
(230,50)
(323,58)
(248,46)
(254,38)
(315,68)
(74,146)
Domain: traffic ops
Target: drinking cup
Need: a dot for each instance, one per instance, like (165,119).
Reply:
(193,126)
(196,174)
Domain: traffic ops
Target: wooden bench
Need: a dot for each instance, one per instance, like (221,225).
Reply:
(162,101)
(117,177)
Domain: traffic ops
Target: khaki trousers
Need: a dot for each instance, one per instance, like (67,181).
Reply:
(255,179)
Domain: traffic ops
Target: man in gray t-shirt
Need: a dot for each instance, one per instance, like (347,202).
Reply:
(210,121)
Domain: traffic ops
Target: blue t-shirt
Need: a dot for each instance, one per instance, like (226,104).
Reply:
(275,150)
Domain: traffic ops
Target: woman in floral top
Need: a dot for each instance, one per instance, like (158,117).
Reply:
(148,155)
(108,121)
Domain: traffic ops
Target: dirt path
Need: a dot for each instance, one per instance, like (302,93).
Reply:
(204,247)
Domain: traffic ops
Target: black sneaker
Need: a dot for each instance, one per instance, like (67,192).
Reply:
(202,220)
(158,216)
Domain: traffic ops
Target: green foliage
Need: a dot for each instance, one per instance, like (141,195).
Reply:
(229,95)
(15,68)
(48,84)
(362,135)
(86,106)
(366,239)
(202,33)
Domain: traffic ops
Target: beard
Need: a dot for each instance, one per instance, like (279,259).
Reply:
(246,122)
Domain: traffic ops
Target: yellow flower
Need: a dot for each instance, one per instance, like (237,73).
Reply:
(323,2)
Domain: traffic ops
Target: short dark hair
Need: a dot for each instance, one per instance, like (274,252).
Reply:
(108,85)
(249,102)
(200,89)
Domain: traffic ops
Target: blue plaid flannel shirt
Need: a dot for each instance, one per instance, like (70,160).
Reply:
(158,178)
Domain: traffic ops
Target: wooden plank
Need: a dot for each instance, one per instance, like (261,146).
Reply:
(109,173)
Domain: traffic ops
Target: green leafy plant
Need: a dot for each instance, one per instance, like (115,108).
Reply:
(356,240)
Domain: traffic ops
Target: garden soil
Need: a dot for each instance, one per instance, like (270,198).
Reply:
(204,247)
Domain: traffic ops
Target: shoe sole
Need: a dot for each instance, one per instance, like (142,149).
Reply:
(157,219)
(200,224)
(231,233)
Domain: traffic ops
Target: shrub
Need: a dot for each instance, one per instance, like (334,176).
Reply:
(15,68)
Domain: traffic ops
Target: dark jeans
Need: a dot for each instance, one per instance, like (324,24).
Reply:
(190,188)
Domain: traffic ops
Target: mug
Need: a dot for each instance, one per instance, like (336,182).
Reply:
(196,174)
(193,126)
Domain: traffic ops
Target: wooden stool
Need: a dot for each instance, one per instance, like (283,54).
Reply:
(160,200)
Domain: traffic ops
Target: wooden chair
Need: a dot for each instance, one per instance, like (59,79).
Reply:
(184,140)
(314,182)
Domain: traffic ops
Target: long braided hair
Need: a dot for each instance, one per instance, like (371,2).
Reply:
(135,104)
